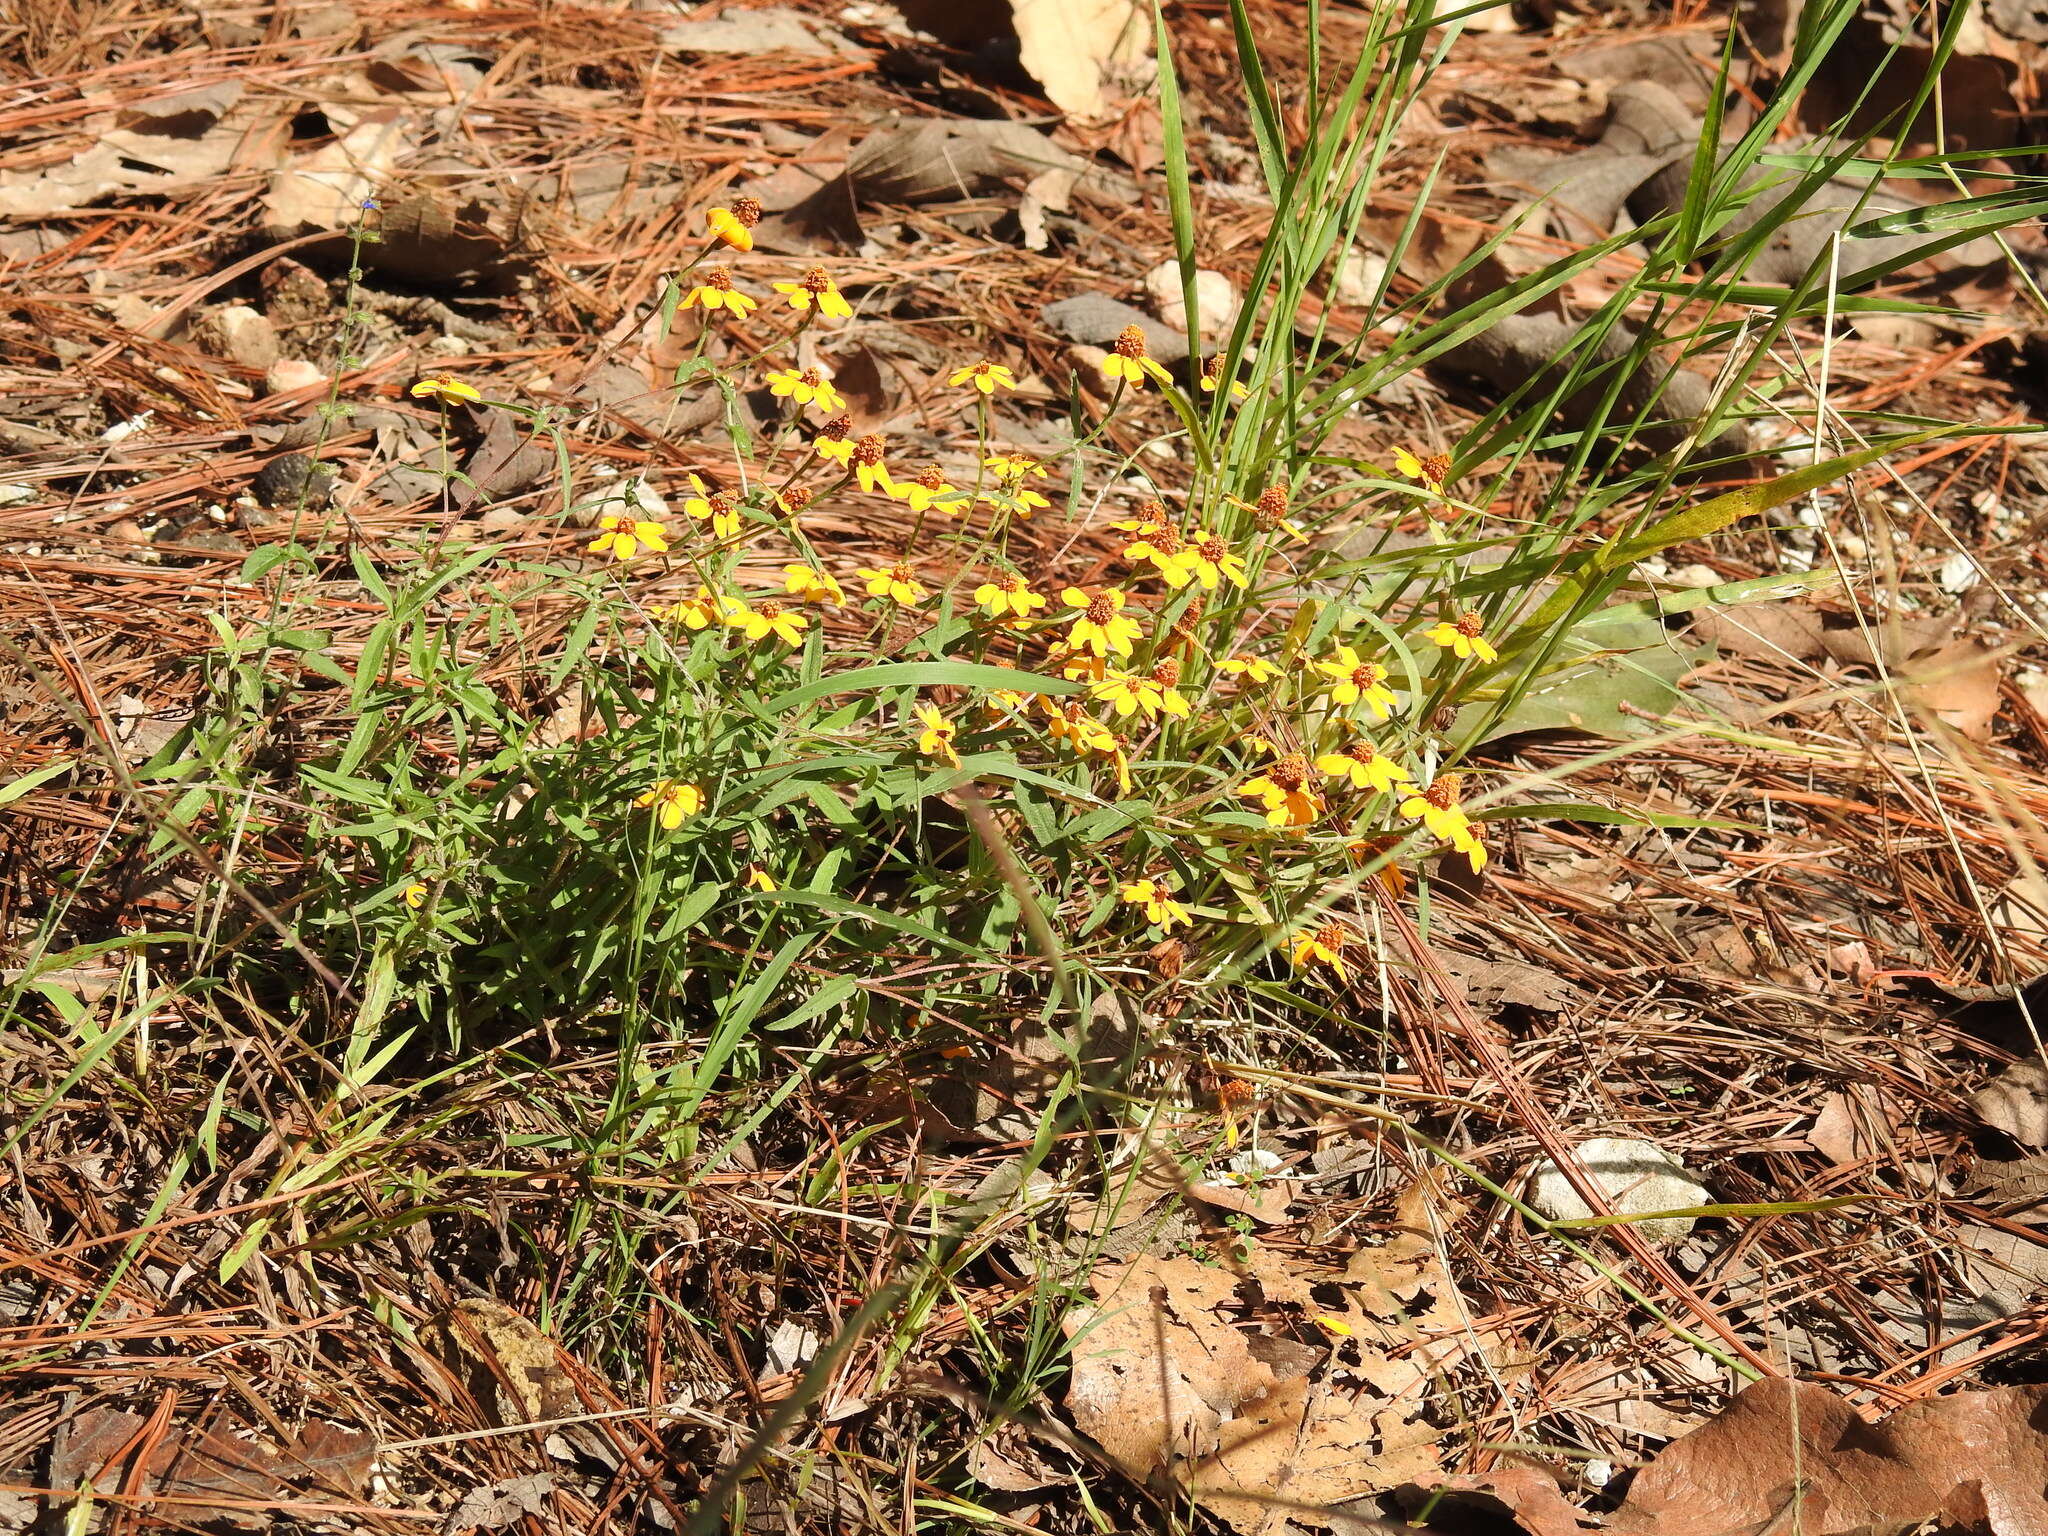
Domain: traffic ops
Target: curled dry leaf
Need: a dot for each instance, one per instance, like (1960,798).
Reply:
(2016,1102)
(1792,1456)
(510,1368)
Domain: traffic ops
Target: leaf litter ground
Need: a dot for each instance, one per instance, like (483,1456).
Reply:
(1356,1330)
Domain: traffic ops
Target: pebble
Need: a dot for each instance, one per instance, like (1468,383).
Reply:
(1216,299)
(239,334)
(1358,277)
(290,373)
(1636,1176)
(1959,573)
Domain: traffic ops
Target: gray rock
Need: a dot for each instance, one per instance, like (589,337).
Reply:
(1096,318)
(1636,1177)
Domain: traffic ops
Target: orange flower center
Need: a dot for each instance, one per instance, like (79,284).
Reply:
(1332,936)
(746,211)
(1233,1093)
(1167,673)
(1361,752)
(718,278)
(1153,512)
(770,611)
(1436,467)
(1290,772)
(838,428)
(1212,550)
(900,573)
(815,281)
(1012,584)
(1469,625)
(812,377)
(796,498)
(868,450)
(1367,676)
(1443,794)
(932,478)
(1100,609)
(1130,342)
(1165,540)
(1272,501)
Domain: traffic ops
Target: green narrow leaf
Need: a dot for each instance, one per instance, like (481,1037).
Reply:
(920,674)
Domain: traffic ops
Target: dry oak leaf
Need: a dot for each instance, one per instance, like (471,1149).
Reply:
(1154,1367)
(1787,1456)
(2016,1102)
(511,1369)
(1305,1449)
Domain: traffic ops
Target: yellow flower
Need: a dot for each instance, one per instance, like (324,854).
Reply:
(1084,666)
(1160,908)
(415,895)
(1283,789)
(1322,946)
(1004,701)
(1364,766)
(929,489)
(1127,362)
(715,291)
(986,377)
(835,440)
(1014,467)
(1251,668)
(868,468)
(1269,513)
(812,586)
(624,537)
(446,391)
(734,226)
(1101,628)
(1010,492)
(1432,471)
(699,612)
(1463,638)
(768,619)
(814,290)
(1354,680)
(810,387)
(1070,723)
(1155,695)
(1437,809)
(1007,595)
(1157,540)
(674,801)
(898,583)
(758,879)
(721,507)
(1212,375)
(1207,558)
(936,740)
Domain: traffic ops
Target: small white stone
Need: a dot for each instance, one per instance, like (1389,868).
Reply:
(1636,1177)
(15,495)
(1358,277)
(1959,573)
(1696,576)
(291,373)
(1215,298)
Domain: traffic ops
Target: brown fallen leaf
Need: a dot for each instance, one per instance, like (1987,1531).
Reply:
(1792,1456)
(1155,1368)
(2016,1102)
(1530,1498)
(1958,685)
(1072,48)
(188,1465)
(511,1369)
